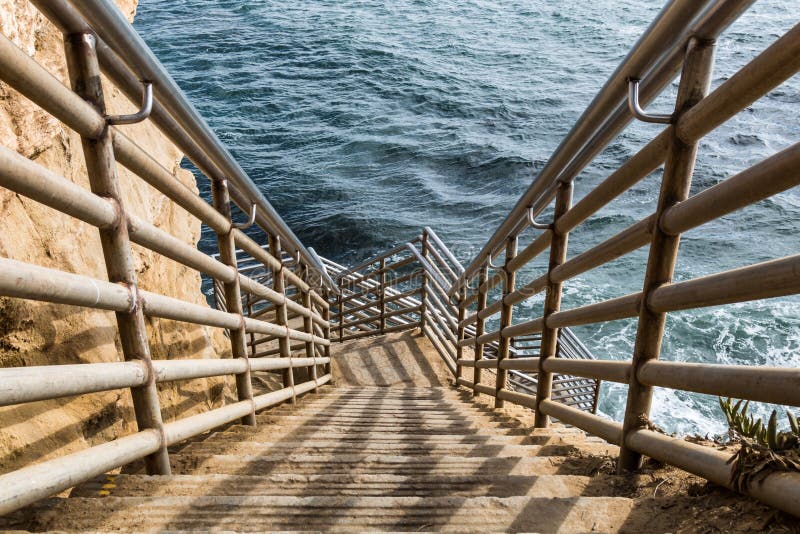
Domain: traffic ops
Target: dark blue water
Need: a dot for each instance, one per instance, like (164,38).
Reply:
(363,121)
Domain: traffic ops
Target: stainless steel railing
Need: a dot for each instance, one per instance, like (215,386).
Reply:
(406,288)
(681,39)
(126,60)
(82,109)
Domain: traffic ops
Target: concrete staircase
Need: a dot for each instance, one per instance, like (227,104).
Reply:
(359,458)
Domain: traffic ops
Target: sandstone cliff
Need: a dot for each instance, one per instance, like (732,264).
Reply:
(45,334)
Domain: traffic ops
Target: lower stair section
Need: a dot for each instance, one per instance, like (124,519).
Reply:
(364,458)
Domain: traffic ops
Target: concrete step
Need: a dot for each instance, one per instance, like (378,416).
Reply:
(384,410)
(302,420)
(239,433)
(383,404)
(404,417)
(462,514)
(322,447)
(388,392)
(556,486)
(276,430)
(339,463)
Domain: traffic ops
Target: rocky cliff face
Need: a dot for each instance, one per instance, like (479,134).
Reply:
(45,334)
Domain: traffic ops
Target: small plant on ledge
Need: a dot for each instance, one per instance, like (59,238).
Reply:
(762,448)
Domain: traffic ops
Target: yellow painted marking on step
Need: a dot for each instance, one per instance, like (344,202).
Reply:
(109,486)
(104,492)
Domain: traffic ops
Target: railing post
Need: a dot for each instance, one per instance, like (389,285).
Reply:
(462,312)
(84,73)
(233,295)
(423,291)
(552,302)
(506,315)
(340,300)
(308,327)
(326,314)
(480,325)
(678,170)
(281,315)
(253,346)
(382,295)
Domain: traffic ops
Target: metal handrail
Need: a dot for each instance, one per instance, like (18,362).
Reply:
(104,18)
(81,108)
(656,57)
(697,113)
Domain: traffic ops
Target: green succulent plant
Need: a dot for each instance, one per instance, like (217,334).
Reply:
(763,448)
(744,425)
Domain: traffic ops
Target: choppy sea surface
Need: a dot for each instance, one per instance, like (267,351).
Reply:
(362,121)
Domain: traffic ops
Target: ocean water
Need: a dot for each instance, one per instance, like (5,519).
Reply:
(363,121)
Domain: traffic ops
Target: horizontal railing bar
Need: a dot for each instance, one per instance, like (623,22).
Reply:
(23,176)
(377,272)
(351,271)
(774,175)
(628,240)
(372,312)
(427,268)
(609,310)
(42,382)
(528,327)
(763,384)
(488,337)
(435,238)
(610,431)
(441,321)
(778,489)
(24,486)
(388,330)
(520,364)
(769,279)
(486,390)
(188,427)
(536,247)
(24,74)
(22,280)
(135,159)
(669,30)
(776,64)
(447,357)
(263,355)
(203,422)
(613,371)
(451,353)
(521,399)
(448,273)
(644,162)
(387,300)
(396,281)
(401,311)
(109,23)
(26,177)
